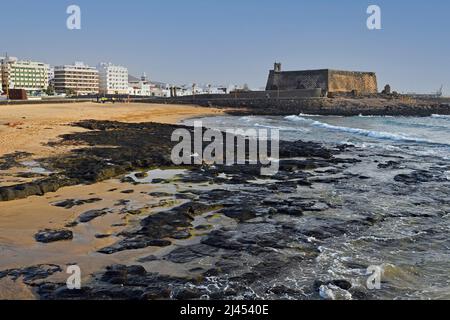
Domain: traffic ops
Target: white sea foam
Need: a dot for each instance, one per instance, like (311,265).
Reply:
(246,119)
(310,115)
(441,116)
(297,118)
(332,292)
(373,116)
(363,132)
(284,128)
(368,133)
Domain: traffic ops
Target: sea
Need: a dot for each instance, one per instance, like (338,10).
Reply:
(410,241)
(425,136)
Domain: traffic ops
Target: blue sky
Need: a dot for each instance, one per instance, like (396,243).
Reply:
(237,41)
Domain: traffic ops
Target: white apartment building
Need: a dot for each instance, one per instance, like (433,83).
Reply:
(31,76)
(113,79)
(79,79)
(51,74)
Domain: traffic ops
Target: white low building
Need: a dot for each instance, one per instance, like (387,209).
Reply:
(201,89)
(145,88)
(139,87)
(161,91)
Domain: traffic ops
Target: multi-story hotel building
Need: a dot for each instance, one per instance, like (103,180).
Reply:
(113,79)
(28,75)
(78,79)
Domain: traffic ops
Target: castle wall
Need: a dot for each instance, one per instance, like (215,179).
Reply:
(292,80)
(347,81)
(327,80)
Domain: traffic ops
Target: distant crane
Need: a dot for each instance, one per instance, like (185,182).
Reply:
(440,92)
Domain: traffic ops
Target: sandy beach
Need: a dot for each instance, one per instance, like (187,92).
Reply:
(28,128)
(107,197)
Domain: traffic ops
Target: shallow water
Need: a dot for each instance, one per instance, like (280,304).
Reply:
(427,136)
(410,243)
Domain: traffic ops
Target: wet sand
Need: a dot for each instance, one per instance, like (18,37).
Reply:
(20,220)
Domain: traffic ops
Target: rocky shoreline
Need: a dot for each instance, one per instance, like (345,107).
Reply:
(232,233)
(340,106)
(128,147)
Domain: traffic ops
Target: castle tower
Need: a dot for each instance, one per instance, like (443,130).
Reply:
(277,67)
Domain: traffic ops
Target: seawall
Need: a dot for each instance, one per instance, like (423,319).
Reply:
(319,106)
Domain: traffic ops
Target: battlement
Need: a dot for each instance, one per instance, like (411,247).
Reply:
(331,81)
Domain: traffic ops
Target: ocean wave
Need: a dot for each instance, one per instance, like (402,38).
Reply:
(283,128)
(313,115)
(371,116)
(246,119)
(268,126)
(439,152)
(372,133)
(441,116)
(363,132)
(417,125)
(302,116)
(297,118)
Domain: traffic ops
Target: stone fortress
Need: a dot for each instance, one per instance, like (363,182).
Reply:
(330,81)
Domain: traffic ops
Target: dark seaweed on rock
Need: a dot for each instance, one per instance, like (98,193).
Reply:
(118,148)
(303,149)
(31,274)
(47,236)
(157,228)
(11,160)
(70,203)
(36,188)
(129,147)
